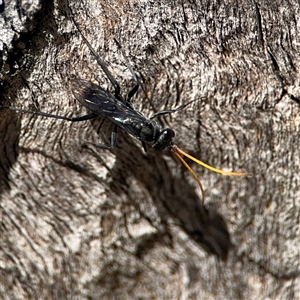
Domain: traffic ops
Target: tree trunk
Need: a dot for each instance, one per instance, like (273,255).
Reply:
(78,222)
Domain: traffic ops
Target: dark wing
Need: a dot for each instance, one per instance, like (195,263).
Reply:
(94,97)
(107,106)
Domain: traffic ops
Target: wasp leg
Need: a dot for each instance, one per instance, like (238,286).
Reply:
(144,146)
(83,118)
(102,65)
(165,112)
(137,84)
(132,93)
(39,113)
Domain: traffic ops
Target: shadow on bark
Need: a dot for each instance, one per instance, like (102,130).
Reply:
(172,196)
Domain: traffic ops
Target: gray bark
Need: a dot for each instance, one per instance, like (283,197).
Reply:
(82,223)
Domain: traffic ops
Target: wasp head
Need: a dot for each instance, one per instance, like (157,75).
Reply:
(164,139)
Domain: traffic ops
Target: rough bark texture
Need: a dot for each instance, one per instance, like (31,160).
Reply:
(82,223)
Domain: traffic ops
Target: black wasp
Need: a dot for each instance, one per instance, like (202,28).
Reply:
(121,113)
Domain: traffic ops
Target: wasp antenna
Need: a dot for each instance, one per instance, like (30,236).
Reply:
(199,162)
(177,153)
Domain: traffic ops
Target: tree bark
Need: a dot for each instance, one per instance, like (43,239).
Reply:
(78,222)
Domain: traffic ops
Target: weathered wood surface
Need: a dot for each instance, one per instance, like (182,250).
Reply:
(81,223)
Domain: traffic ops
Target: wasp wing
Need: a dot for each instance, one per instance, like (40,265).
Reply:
(109,107)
